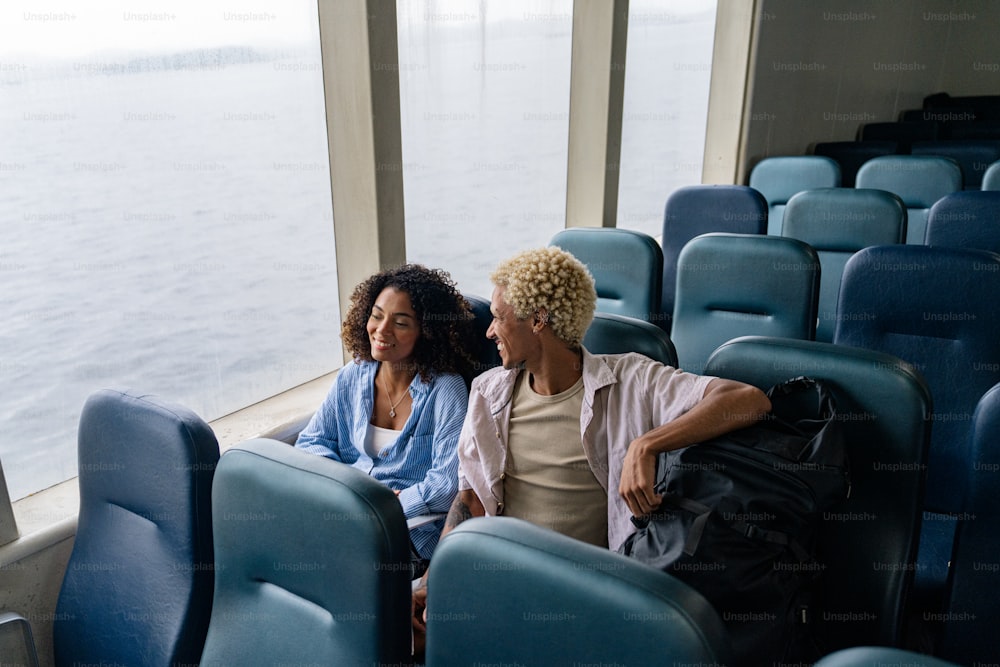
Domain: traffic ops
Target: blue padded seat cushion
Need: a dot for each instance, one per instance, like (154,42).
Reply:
(918,180)
(313,562)
(845,219)
(731,285)
(502,590)
(838,222)
(880,656)
(972,155)
(699,209)
(616,334)
(969,632)
(867,541)
(138,586)
(965,220)
(626,264)
(780,178)
(935,308)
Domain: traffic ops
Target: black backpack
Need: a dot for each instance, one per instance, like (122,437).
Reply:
(739,519)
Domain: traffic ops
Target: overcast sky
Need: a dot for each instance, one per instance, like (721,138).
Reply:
(74,28)
(71,28)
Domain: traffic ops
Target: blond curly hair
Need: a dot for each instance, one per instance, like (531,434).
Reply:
(555,280)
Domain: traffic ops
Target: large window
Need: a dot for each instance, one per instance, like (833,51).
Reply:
(668,70)
(484,90)
(165,194)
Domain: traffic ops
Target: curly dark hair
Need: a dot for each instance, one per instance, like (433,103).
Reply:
(447,340)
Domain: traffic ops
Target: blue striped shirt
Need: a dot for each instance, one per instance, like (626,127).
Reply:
(422,463)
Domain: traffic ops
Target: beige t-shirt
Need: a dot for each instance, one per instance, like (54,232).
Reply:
(548,480)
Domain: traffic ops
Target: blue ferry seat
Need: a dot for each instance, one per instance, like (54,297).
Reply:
(312,563)
(617,334)
(868,543)
(504,591)
(947,117)
(904,132)
(699,209)
(627,266)
(880,656)
(969,219)
(935,308)
(486,356)
(850,155)
(837,222)
(919,180)
(731,285)
(991,177)
(780,178)
(972,155)
(969,633)
(973,129)
(138,585)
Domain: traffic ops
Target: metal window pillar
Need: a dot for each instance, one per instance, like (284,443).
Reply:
(361,83)
(597,87)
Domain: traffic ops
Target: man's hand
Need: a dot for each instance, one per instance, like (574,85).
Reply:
(638,477)
(418,615)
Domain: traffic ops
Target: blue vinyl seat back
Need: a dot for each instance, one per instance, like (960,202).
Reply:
(969,633)
(617,334)
(879,656)
(935,308)
(837,222)
(699,209)
(991,177)
(972,129)
(868,543)
(850,155)
(627,266)
(138,585)
(969,219)
(731,285)
(780,178)
(312,560)
(919,180)
(973,156)
(553,600)
(487,356)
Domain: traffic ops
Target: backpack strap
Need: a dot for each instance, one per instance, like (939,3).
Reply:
(702,513)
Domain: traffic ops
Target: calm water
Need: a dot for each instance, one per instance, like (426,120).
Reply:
(140,208)
(139,247)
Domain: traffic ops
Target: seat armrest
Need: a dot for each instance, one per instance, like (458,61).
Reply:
(422,520)
(287,432)
(17,647)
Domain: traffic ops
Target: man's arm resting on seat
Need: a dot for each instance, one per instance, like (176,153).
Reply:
(725,406)
(465,506)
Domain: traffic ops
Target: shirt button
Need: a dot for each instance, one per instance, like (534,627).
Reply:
(499,508)
(498,435)
(503,476)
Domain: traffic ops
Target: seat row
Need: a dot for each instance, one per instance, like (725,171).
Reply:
(920,181)
(304,560)
(973,157)
(637,277)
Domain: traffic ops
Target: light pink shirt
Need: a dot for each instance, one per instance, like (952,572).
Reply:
(625,396)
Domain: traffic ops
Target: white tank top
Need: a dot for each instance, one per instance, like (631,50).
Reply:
(378,438)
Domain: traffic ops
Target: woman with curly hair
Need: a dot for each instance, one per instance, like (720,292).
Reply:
(397,411)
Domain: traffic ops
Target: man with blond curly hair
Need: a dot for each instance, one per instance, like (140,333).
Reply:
(567,439)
